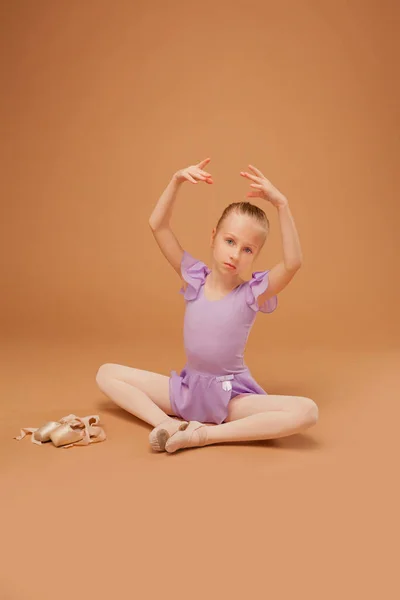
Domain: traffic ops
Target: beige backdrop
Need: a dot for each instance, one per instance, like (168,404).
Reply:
(101,102)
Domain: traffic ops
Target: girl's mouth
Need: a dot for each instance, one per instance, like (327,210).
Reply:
(230,266)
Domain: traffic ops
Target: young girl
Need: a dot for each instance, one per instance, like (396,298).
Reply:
(215,398)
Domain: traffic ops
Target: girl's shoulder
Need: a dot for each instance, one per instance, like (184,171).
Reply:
(193,274)
(257,285)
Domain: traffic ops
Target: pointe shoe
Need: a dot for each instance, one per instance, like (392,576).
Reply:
(69,431)
(43,433)
(161,434)
(40,435)
(65,435)
(83,431)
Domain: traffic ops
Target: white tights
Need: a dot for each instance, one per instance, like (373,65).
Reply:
(251,416)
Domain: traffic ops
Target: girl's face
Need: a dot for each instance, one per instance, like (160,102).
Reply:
(238,242)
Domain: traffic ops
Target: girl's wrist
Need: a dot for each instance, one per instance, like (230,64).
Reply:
(282,203)
(175,178)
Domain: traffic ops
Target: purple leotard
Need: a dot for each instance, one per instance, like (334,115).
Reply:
(215,335)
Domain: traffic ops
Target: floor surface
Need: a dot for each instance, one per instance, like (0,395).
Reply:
(312,515)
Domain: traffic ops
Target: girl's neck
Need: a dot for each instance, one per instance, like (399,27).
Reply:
(219,282)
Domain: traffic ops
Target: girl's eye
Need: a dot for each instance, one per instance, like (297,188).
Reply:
(230,240)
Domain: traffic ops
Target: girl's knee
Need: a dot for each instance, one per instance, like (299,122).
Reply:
(309,412)
(104,372)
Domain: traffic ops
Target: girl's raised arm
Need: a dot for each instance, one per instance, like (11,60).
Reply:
(160,217)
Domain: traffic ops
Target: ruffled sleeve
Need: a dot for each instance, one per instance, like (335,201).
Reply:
(194,272)
(256,286)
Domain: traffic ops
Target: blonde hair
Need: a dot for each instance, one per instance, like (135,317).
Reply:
(247,209)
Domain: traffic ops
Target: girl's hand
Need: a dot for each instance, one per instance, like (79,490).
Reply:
(194,173)
(264,188)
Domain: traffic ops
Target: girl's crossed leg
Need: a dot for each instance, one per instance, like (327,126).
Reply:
(144,394)
(251,417)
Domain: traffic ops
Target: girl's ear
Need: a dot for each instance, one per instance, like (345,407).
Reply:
(213,236)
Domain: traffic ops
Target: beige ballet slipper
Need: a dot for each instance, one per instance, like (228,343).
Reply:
(160,434)
(184,439)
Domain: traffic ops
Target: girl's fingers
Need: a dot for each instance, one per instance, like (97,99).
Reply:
(195,174)
(253,177)
(256,185)
(257,171)
(190,178)
(203,175)
(203,163)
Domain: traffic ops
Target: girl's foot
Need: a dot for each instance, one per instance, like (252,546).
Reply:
(195,434)
(160,434)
